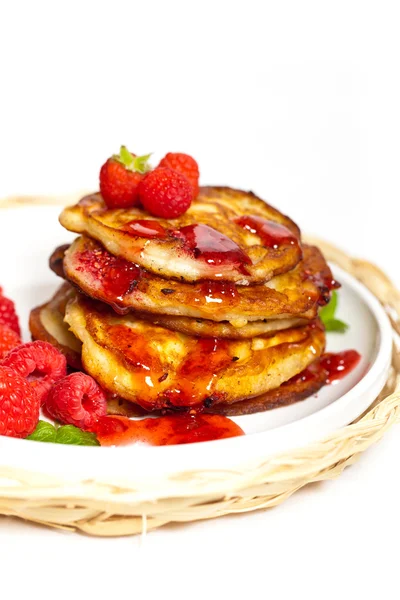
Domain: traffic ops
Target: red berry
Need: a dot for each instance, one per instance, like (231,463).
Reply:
(8,316)
(8,340)
(165,193)
(184,164)
(120,177)
(77,400)
(19,405)
(40,363)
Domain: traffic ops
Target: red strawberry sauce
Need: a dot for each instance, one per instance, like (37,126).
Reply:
(165,431)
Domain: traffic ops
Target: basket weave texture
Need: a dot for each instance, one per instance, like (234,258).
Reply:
(109,510)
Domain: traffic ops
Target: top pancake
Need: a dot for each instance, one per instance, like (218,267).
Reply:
(207,242)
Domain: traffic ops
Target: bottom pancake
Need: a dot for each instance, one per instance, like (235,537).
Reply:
(162,369)
(46,323)
(298,388)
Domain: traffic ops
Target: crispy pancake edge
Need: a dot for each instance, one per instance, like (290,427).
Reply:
(40,332)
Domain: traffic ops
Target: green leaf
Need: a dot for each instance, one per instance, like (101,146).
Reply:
(125,157)
(137,164)
(328,312)
(44,432)
(69,434)
(336,325)
(141,164)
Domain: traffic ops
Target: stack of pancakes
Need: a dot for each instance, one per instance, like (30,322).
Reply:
(216,310)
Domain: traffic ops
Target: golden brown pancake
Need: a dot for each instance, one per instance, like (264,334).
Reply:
(46,323)
(53,315)
(226,234)
(223,329)
(296,389)
(124,286)
(158,368)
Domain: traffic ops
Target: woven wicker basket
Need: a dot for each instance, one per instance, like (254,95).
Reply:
(109,510)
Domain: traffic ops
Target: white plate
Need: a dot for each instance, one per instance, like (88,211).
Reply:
(29,235)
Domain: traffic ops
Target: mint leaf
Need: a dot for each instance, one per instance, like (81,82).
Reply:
(327,315)
(69,434)
(328,312)
(44,432)
(336,325)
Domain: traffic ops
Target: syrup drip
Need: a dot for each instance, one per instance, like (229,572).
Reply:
(335,365)
(194,379)
(165,431)
(272,234)
(117,276)
(146,228)
(213,247)
(197,374)
(135,348)
(308,374)
(219,292)
(339,365)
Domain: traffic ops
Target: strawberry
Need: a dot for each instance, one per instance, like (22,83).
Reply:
(165,193)
(8,315)
(19,405)
(120,176)
(184,164)
(77,400)
(8,340)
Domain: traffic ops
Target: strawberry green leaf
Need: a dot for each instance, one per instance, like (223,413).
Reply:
(136,164)
(44,432)
(141,163)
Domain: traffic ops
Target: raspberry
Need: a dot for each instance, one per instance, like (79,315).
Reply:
(8,316)
(77,400)
(40,363)
(165,193)
(19,405)
(120,177)
(184,164)
(8,340)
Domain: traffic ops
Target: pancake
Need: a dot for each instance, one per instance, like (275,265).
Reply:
(158,368)
(226,234)
(289,392)
(125,287)
(298,388)
(46,323)
(223,329)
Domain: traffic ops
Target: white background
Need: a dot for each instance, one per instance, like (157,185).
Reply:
(298,101)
